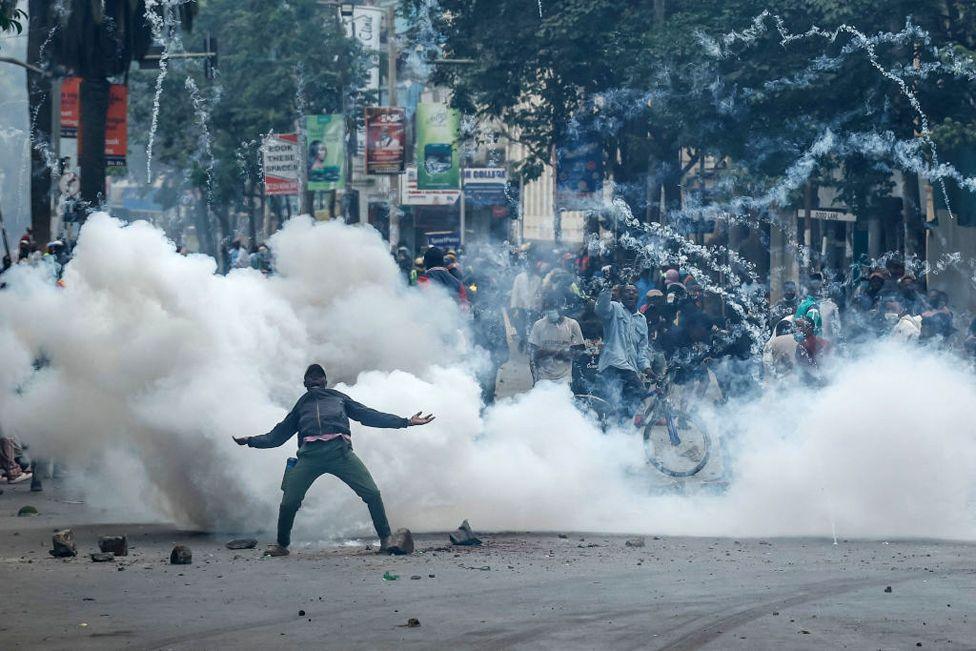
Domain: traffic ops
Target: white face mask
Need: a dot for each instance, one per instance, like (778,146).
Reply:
(553,316)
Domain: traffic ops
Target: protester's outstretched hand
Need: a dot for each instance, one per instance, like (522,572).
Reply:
(241,440)
(420,419)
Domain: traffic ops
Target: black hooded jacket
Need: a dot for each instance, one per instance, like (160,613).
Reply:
(324,411)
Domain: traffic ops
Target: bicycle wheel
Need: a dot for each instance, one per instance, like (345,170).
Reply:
(594,406)
(675,442)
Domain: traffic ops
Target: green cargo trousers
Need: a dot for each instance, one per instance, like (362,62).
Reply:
(333,457)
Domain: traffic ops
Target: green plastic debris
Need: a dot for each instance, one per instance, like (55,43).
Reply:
(390,576)
(27,510)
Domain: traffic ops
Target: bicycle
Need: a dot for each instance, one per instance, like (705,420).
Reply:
(675,442)
(585,395)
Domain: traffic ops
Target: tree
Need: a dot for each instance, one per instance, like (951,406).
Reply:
(95,41)
(278,62)
(659,77)
(11,17)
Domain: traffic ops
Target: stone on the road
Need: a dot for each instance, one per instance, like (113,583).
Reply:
(401,543)
(102,557)
(116,545)
(635,542)
(181,555)
(63,544)
(464,536)
(242,543)
(26,511)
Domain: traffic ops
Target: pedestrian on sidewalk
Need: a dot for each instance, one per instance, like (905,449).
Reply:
(321,420)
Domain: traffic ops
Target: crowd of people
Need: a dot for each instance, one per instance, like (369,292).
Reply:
(51,257)
(605,323)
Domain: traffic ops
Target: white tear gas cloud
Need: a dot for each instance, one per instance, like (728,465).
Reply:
(155,359)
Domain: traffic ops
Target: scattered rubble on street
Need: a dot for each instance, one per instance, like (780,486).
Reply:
(401,543)
(63,544)
(181,555)
(464,536)
(116,545)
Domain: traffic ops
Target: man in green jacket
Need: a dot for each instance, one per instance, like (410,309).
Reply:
(321,420)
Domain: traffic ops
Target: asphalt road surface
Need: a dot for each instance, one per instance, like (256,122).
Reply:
(518,590)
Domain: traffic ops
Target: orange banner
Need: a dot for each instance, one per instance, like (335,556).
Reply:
(116,119)
(70,106)
(117,126)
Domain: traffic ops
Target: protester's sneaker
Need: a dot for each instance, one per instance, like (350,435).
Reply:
(276,550)
(384,545)
(24,476)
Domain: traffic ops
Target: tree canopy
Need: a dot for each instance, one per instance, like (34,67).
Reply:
(277,62)
(650,78)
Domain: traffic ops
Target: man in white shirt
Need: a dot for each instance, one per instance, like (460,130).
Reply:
(552,343)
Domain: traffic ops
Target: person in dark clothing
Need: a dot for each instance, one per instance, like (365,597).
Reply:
(488,322)
(810,351)
(785,306)
(321,420)
(910,297)
(435,273)
(687,346)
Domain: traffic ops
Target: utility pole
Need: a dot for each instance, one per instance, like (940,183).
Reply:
(391,57)
(391,100)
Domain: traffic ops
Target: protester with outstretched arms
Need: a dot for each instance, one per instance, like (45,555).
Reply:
(321,420)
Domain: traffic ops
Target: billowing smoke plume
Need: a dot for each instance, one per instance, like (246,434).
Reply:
(148,352)
(149,357)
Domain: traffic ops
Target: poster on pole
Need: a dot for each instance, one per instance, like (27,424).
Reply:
(117,125)
(438,159)
(364,25)
(70,106)
(116,118)
(386,139)
(579,174)
(325,159)
(281,158)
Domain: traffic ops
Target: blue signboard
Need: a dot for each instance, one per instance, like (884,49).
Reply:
(444,240)
(485,186)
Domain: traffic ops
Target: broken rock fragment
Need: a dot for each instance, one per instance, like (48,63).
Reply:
(242,543)
(116,545)
(181,555)
(635,542)
(102,557)
(401,543)
(63,544)
(464,536)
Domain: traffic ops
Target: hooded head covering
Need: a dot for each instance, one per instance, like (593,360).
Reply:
(433,257)
(315,376)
